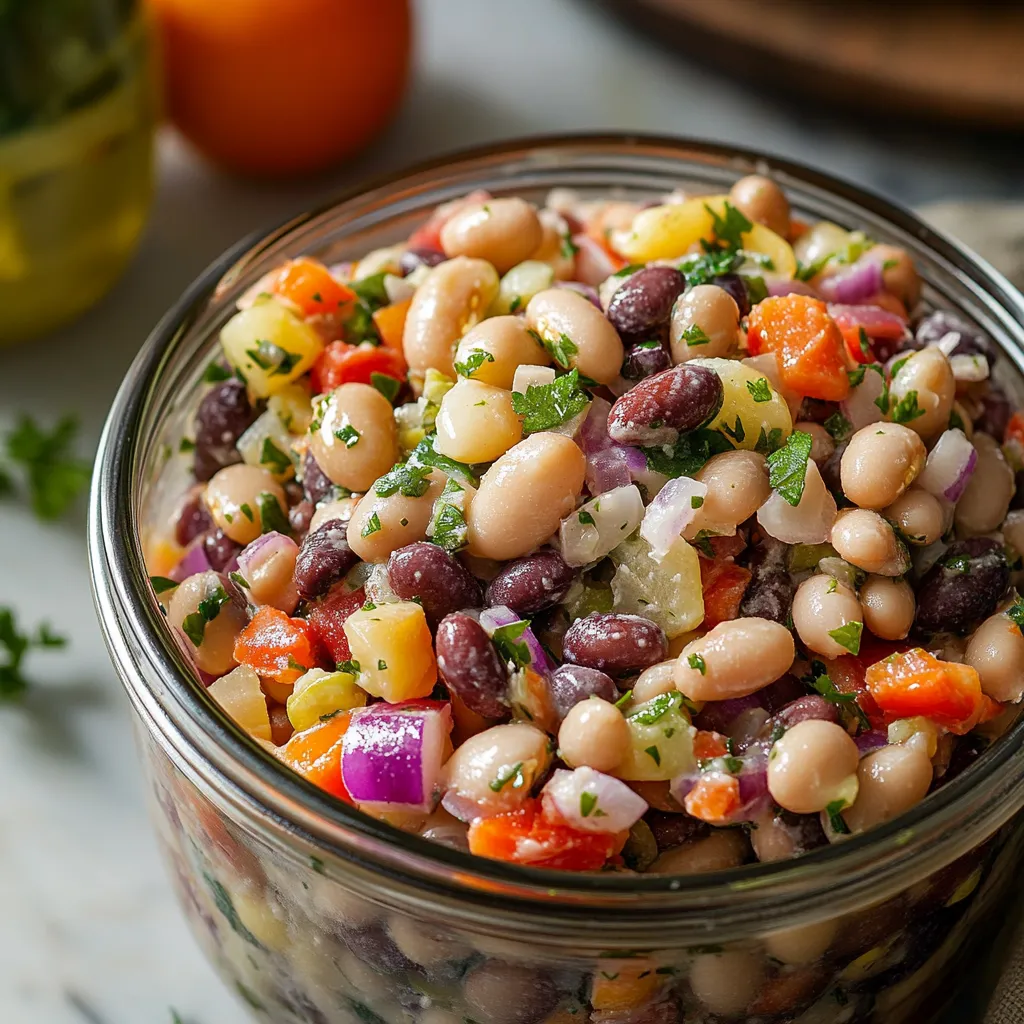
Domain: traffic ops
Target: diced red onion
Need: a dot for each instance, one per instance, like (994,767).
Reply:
(615,514)
(869,742)
(500,615)
(718,715)
(857,282)
(609,465)
(671,512)
(607,470)
(391,757)
(781,286)
(261,550)
(194,560)
(860,406)
(969,369)
(594,433)
(876,321)
(581,289)
(949,466)
(810,522)
(593,802)
(593,262)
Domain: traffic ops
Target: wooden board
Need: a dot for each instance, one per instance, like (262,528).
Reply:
(948,61)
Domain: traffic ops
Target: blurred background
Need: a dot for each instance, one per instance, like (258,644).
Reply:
(107,212)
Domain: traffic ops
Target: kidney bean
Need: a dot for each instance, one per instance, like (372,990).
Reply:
(192,519)
(769,594)
(737,289)
(420,256)
(666,405)
(995,413)
(963,588)
(531,584)
(777,695)
(316,484)
(470,666)
(645,359)
(300,516)
(616,644)
(323,559)
(801,710)
(644,302)
(220,549)
(971,341)
(440,583)
(223,416)
(672,830)
(571,684)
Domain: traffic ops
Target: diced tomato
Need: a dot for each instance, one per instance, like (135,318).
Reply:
(796,229)
(327,616)
(809,345)
(341,363)
(715,797)
(727,547)
(917,683)
(1015,429)
(390,324)
(309,285)
(708,744)
(315,753)
(863,325)
(526,836)
(848,672)
(275,645)
(724,584)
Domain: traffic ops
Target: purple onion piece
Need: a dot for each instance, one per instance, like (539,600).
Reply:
(194,560)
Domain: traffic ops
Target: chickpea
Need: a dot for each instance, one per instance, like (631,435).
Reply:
(525,495)
(510,345)
(454,298)
(234,496)
(918,515)
(891,781)
(502,231)
(821,606)
(760,200)
(400,520)
(726,983)
(721,850)
(341,509)
(704,312)
(888,605)
(867,541)
(929,374)
(353,436)
(560,313)
(271,578)
(654,681)
(812,765)
(735,659)
(738,486)
(901,279)
(983,505)
(215,651)
(880,463)
(996,652)
(552,249)
(822,444)
(803,944)
(476,423)
(492,755)
(594,734)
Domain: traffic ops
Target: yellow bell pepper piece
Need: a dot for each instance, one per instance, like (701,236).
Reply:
(392,644)
(319,693)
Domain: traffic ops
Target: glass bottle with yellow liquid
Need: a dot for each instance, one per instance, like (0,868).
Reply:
(77,112)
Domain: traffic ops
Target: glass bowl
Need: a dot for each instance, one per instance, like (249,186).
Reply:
(315,912)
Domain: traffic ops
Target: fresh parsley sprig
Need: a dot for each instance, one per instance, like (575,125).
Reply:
(549,405)
(787,467)
(14,645)
(54,477)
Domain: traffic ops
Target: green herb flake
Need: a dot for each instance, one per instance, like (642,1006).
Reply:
(372,526)
(548,405)
(696,501)
(387,385)
(372,290)
(296,666)
(54,476)
(349,666)
(215,373)
(424,455)
(959,564)
(848,636)
(506,640)
(411,480)
(654,753)
(906,409)
(736,432)
(475,360)
(654,710)
(185,446)
(272,456)
(823,685)
(586,519)
(382,665)
(833,586)
(161,584)
(239,580)
(694,335)
(194,625)
(1016,612)
(348,435)
(835,817)
(787,468)
(838,426)
(246,510)
(506,774)
(624,699)
(272,518)
(730,226)
(760,390)
(561,350)
(768,441)
(568,247)
(856,377)
(688,455)
(695,661)
(588,802)
(14,645)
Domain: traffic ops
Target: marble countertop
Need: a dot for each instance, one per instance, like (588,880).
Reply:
(89,929)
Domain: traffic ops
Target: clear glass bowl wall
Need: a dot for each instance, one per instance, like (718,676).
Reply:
(315,913)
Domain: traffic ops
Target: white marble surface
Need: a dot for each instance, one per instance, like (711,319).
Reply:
(88,929)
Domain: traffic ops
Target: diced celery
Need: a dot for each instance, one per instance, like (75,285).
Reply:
(319,694)
(520,285)
(268,444)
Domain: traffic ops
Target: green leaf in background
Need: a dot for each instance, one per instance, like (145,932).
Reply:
(55,476)
(17,644)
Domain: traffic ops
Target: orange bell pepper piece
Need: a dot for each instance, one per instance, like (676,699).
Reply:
(708,744)
(308,284)
(315,753)
(275,645)
(390,324)
(724,584)
(714,798)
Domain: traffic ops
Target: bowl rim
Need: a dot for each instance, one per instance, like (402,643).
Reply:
(255,783)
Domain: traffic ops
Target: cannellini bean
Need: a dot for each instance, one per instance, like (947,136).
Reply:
(735,659)
(803,944)
(737,486)
(705,323)
(891,781)
(728,982)
(509,344)
(996,652)
(929,375)
(235,499)
(595,734)
(812,765)
(476,423)
(867,541)
(822,606)
(760,200)
(888,606)
(983,505)
(656,680)
(918,515)
(880,463)
(215,651)
(594,347)
(502,231)
(382,524)
(341,509)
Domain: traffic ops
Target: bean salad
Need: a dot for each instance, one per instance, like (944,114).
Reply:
(606,536)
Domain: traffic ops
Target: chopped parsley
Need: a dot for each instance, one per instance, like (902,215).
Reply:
(161,584)
(411,480)
(388,386)
(654,710)
(1016,612)
(272,359)
(906,409)
(705,267)
(272,518)
(834,810)
(838,426)
(833,586)
(689,453)
(694,335)
(349,667)
(424,455)
(561,350)
(586,519)
(848,636)
(54,476)
(768,441)
(475,360)
(730,226)
(736,432)
(695,661)
(822,684)
(506,640)
(588,802)
(568,247)
(654,753)
(239,580)
(448,527)
(624,699)
(215,373)
(272,456)
(371,290)
(382,665)
(959,564)
(547,405)
(372,526)
(506,774)
(760,390)
(246,509)
(14,645)
(696,501)
(185,445)
(348,435)
(787,468)
(856,377)
(194,625)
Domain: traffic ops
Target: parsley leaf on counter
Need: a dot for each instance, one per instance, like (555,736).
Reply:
(787,467)
(55,476)
(14,645)
(547,405)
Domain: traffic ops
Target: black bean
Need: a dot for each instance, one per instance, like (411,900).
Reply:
(192,520)
(323,559)
(775,696)
(996,411)
(224,414)
(662,407)
(644,302)
(967,750)
(316,484)
(531,584)
(672,830)
(971,341)
(220,549)
(737,289)
(440,582)
(420,256)
(616,644)
(830,471)
(803,709)
(645,359)
(470,666)
(570,684)
(769,594)
(963,588)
